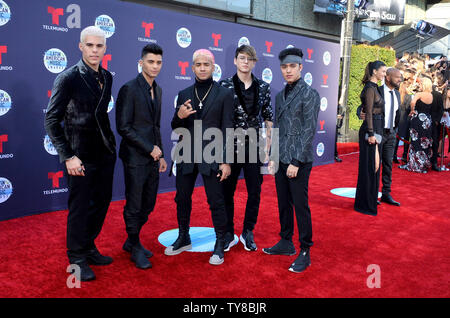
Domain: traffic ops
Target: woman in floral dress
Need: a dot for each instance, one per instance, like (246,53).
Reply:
(420,150)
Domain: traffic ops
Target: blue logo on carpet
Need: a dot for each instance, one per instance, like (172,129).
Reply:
(202,238)
(347,192)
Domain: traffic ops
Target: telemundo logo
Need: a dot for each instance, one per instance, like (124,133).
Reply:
(55,60)
(5,102)
(184,37)
(6,189)
(106,23)
(5,13)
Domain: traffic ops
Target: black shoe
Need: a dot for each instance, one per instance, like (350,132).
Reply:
(138,257)
(283,247)
(86,273)
(301,262)
(248,241)
(127,248)
(230,241)
(217,258)
(378,202)
(181,244)
(403,166)
(396,160)
(388,199)
(95,258)
(435,167)
(337,159)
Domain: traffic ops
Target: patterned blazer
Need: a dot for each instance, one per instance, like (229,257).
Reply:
(263,110)
(296,119)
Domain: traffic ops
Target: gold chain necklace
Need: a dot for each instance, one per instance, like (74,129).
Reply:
(204,97)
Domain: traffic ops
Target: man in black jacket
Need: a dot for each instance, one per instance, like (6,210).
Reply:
(252,105)
(296,111)
(138,117)
(86,145)
(205,108)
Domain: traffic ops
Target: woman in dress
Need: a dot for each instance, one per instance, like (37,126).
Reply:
(369,136)
(420,150)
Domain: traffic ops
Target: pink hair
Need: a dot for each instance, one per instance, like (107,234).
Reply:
(204,52)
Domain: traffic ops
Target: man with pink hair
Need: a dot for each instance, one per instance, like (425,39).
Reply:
(205,105)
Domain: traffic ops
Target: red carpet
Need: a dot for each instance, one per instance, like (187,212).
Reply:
(409,244)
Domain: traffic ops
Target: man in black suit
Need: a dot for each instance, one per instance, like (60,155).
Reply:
(204,108)
(391,95)
(296,111)
(138,117)
(86,145)
(252,105)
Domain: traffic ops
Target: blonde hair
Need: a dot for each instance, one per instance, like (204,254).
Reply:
(427,85)
(94,31)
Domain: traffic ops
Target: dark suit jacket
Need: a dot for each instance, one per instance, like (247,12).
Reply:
(138,121)
(296,119)
(217,113)
(78,101)
(398,113)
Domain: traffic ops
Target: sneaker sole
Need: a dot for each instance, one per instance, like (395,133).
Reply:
(294,271)
(178,251)
(284,254)
(232,243)
(216,263)
(245,246)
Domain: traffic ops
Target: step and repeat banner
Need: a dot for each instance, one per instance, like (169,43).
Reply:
(39,39)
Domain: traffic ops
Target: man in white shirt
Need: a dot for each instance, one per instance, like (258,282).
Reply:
(392,101)
(389,92)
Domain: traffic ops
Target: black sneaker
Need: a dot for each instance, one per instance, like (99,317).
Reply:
(248,241)
(138,257)
(301,262)
(283,247)
(182,243)
(94,257)
(230,241)
(127,248)
(86,273)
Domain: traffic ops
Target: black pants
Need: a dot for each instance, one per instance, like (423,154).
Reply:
(386,149)
(293,193)
(214,192)
(89,199)
(435,134)
(405,149)
(253,181)
(141,189)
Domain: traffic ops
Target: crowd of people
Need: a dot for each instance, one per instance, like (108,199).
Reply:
(423,92)
(411,106)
